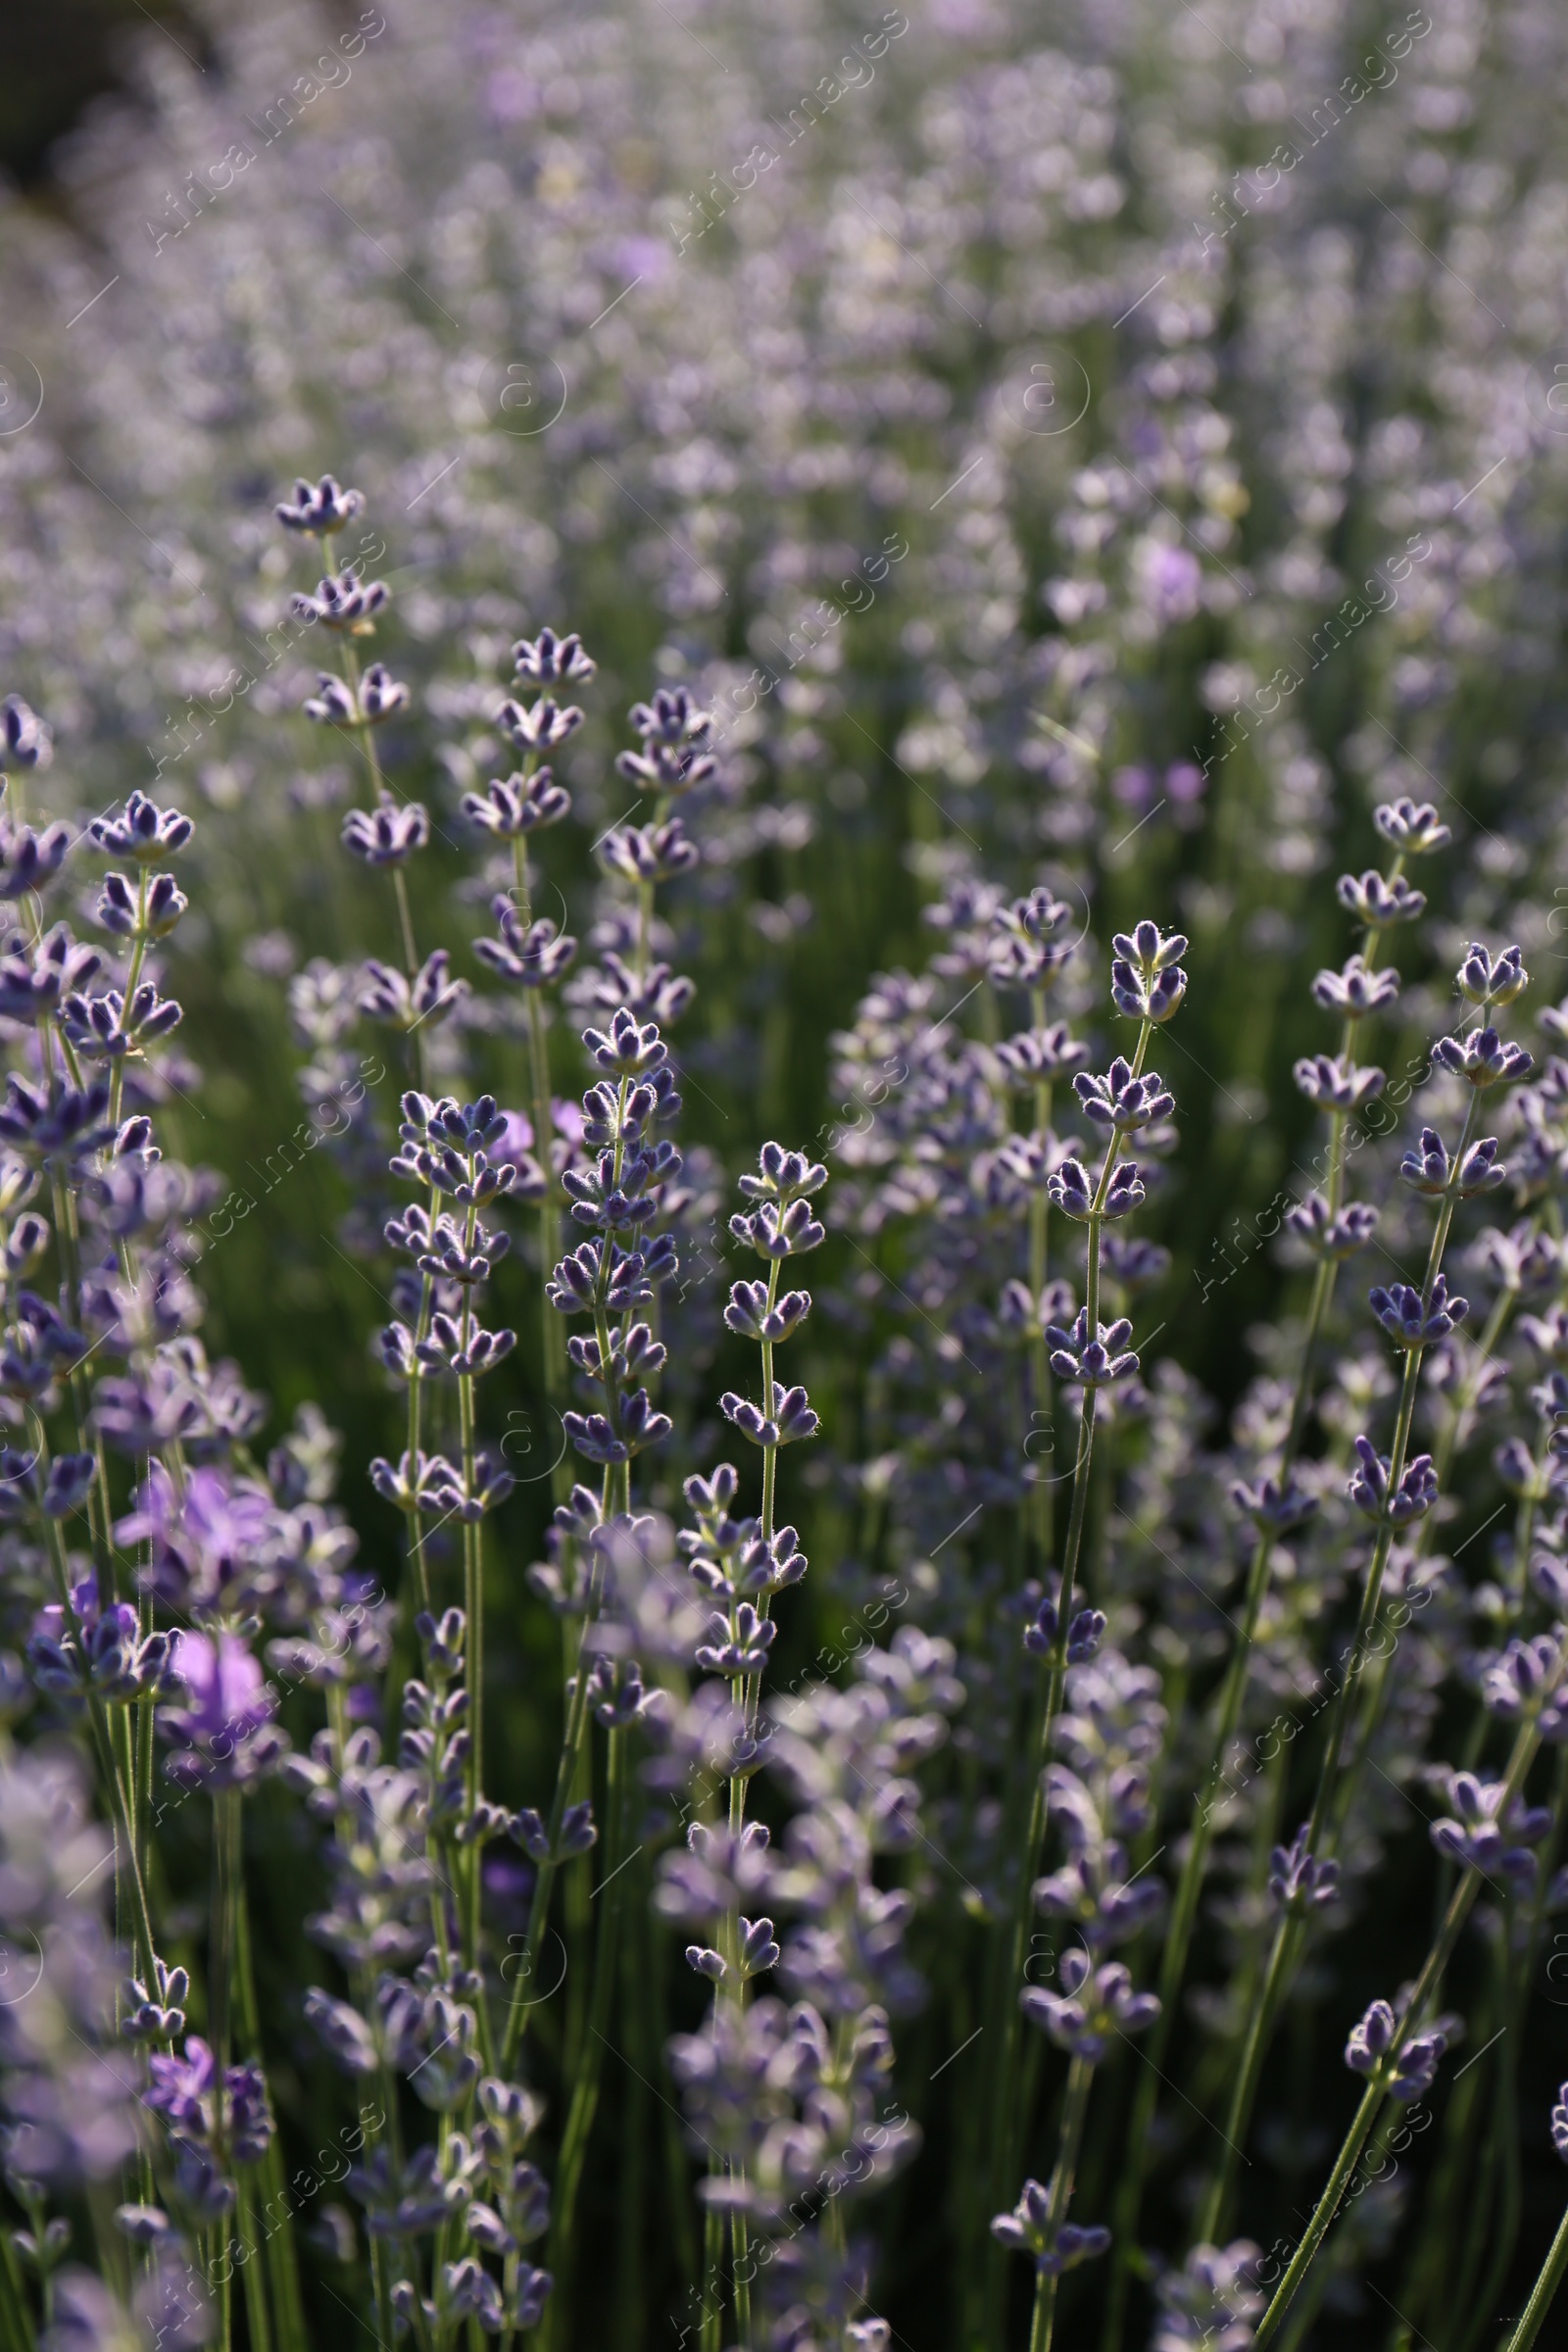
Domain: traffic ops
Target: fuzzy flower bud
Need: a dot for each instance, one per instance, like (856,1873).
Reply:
(1484,1058)
(1407,1318)
(1485,979)
(1146,983)
(320,510)
(1369,1488)
(1413,826)
(1377,902)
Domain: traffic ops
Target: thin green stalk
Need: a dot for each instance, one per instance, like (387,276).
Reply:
(1421,1992)
(1042,1496)
(590,2073)
(1075,2107)
(713,2312)
(1542,2292)
(1377,1681)
(400,889)
(1189,1888)
(280,2252)
(411,953)
(256,2317)
(1500,2170)
(552,1354)
(1323,2213)
(616,1495)
(565,1773)
(632,2199)
(1503,2134)
(1004,2103)
(752,1699)
(18,2330)
(104,1740)
(1040,2324)
(225,1939)
(1288,1935)
(752,1696)
(219,1991)
(138,956)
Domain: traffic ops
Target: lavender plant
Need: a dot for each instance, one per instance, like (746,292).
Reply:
(1072,521)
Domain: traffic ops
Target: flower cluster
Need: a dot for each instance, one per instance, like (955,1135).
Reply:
(1021,749)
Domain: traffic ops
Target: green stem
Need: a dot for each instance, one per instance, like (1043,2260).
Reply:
(1042,1498)
(1075,2107)
(1321,1839)
(138,956)
(1503,2134)
(400,889)
(566,1773)
(1542,2292)
(1044,2319)
(1189,1888)
(255,2318)
(712,2299)
(103,1738)
(221,1986)
(1323,2213)
(1421,1992)
(590,2073)
(633,2199)
(1006,2103)
(281,2253)
(18,2330)
(416,1417)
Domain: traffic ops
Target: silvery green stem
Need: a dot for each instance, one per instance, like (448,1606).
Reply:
(1432,1969)
(280,2252)
(551,1336)
(1319,1837)
(1005,2104)
(1543,2291)
(1042,1496)
(126,1854)
(474,1606)
(399,888)
(256,2320)
(590,2072)
(565,1773)
(1075,2108)
(1327,2206)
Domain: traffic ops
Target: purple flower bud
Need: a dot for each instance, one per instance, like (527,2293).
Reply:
(551,661)
(1328,1234)
(1409,1320)
(1483,1059)
(513,807)
(1336,1085)
(1377,902)
(1412,827)
(1274,1507)
(320,510)
(345,602)
(1120,1103)
(1354,991)
(1486,980)
(1093,1363)
(388,834)
(1412,1498)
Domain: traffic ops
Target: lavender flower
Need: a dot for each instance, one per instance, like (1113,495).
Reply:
(1028,2229)
(321,509)
(222,1736)
(1408,2068)
(1298,1877)
(1095,2005)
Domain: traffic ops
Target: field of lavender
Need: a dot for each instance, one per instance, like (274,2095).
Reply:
(643,642)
